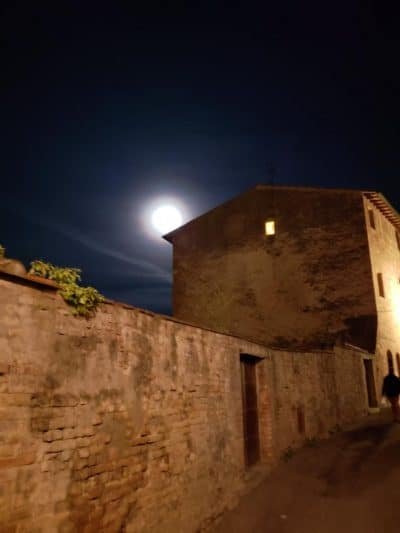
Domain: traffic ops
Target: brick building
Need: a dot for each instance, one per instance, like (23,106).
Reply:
(285,302)
(296,268)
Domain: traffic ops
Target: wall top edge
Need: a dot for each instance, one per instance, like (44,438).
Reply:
(40,284)
(29,279)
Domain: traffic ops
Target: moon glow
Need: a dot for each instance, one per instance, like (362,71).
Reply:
(166,218)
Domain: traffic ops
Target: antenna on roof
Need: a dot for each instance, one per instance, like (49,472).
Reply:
(271,174)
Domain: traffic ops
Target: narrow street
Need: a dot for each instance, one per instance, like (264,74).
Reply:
(349,483)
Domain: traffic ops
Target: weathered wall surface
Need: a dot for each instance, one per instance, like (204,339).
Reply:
(385,260)
(314,393)
(306,286)
(131,421)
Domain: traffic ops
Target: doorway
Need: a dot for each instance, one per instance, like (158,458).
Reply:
(370,381)
(250,409)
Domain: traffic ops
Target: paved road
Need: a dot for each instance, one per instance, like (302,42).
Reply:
(350,483)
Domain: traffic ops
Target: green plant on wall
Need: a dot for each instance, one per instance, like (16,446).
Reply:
(84,300)
(2,251)
(60,275)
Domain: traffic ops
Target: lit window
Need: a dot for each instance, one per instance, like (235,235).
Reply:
(371,218)
(270,227)
(380,285)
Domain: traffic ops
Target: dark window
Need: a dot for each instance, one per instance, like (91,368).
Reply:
(390,360)
(250,409)
(370,381)
(397,239)
(371,218)
(380,285)
(301,423)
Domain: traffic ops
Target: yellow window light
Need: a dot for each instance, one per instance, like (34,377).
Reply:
(270,227)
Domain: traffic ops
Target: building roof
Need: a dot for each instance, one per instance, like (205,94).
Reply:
(387,210)
(378,200)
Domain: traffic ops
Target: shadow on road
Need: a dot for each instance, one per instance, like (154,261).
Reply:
(348,483)
(361,459)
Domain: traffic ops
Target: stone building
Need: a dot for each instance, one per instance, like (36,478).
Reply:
(136,422)
(296,268)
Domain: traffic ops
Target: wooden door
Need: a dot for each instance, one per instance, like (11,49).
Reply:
(250,410)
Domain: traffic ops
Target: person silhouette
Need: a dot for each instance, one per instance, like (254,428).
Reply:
(391,390)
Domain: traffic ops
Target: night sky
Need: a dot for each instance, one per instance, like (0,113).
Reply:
(105,110)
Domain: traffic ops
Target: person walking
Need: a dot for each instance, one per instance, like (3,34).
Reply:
(391,390)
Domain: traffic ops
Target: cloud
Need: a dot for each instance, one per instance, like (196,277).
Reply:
(144,268)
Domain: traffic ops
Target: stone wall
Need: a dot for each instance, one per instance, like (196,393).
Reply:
(133,422)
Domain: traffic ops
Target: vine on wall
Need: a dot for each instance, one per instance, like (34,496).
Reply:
(84,300)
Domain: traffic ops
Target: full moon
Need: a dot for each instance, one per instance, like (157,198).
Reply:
(166,218)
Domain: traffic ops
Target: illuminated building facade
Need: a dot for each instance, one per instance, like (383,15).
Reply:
(296,268)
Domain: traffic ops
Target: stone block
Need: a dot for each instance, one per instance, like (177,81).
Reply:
(66,455)
(96,448)
(93,460)
(82,442)
(18,399)
(61,422)
(97,420)
(81,475)
(95,492)
(139,441)
(40,400)
(80,463)
(100,468)
(40,424)
(64,400)
(52,435)
(87,431)
(69,433)
(26,458)
(83,453)
(59,446)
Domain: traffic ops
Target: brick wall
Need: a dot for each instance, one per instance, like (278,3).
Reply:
(315,393)
(133,420)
